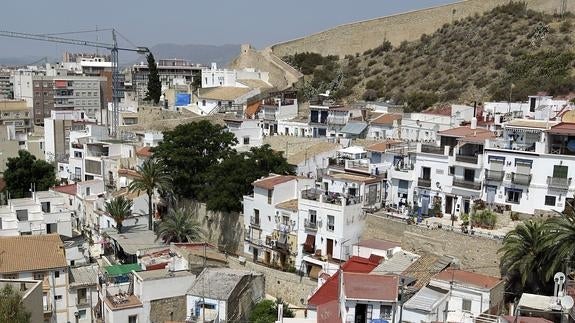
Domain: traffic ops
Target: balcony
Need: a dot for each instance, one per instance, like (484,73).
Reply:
(432,149)
(471,185)
(561,183)
(82,303)
(508,145)
(494,175)
(309,225)
(361,165)
(424,182)
(255,221)
(520,179)
(466,159)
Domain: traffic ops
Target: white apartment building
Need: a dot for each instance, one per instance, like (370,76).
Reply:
(281,106)
(385,126)
(44,213)
(57,129)
(83,293)
(23,83)
(271,220)
(20,260)
(510,161)
(214,77)
(224,99)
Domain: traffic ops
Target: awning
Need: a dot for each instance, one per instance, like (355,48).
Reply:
(120,270)
(314,272)
(354,128)
(309,245)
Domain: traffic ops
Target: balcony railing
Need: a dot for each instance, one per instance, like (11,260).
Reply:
(432,149)
(521,179)
(558,182)
(472,185)
(424,182)
(254,221)
(310,225)
(466,159)
(494,175)
(361,165)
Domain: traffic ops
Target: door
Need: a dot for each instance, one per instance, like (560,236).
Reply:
(448,204)
(360,313)
(424,204)
(490,190)
(255,254)
(372,195)
(466,206)
(329,248)
(267,257)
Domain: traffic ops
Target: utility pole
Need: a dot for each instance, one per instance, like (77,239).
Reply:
(204,287)
(401,283)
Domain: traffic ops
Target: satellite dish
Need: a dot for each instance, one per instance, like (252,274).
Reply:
(567,302)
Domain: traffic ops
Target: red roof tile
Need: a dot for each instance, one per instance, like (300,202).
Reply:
(462,131)
(444,110)
(468,278)
(383,146)
(144,152)
(328,291)
(563,128)
(270,182)
(66,189)
(386,119)
(378,244)
(370,287)
(252,109)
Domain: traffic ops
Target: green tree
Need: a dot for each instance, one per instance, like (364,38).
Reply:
(560,245)
(189,150)
(154,84)
(11,306)
(179,226)
(119,209)
(152,175)
(24,170)
(524,260)
(266,311)
(228,181)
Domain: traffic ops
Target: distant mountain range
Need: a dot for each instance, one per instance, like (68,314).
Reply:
(200,54)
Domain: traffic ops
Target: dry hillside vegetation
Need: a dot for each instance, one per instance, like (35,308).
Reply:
(507,51)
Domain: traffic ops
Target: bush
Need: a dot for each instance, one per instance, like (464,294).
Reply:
(514,216)
(369,95)
(565,26)
(484,219)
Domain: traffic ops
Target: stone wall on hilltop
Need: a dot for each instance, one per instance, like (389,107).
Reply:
(358,37)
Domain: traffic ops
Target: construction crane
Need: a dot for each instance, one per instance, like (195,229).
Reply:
(113,48)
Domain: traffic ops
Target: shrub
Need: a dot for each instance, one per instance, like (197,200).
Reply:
(369,95)
(514,216)
(565,26)
(484,219)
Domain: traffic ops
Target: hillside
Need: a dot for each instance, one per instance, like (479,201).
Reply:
(509,50)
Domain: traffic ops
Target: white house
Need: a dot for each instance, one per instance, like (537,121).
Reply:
(223,295)
(224,99)
(385,126)
(281,106)
(248,133)
(83,293)
(44,213)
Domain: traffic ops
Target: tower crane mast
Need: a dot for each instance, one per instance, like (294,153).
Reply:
(113,48)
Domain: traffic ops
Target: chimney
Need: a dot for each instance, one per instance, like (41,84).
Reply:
(474,119)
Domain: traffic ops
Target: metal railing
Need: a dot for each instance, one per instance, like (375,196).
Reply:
(310,225)
(558,182)
(424,182)
(466,159)
(521,179)
(432,149)
(254,221)
(494,175)
(472,185)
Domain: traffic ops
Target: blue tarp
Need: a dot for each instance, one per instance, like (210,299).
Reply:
(183,99)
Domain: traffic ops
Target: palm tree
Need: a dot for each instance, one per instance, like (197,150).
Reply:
(152,176)
(119,209)
(560,242)
(179,226)
(523,261)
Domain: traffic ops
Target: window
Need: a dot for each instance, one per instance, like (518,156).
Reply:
(10,276)
(385,312)
(81,295)
(270,194)
(285,220)
(330,222)
(312,216)
(39,276)
(550,200)
(82,314)
(45,207)
(22,215)
(203,103)
(256,216)
(246,140)
(56,274)
(78,154)
(88,191)
(58,297)
(513,196)
(560,171)
(451,170)
(369,312)
(466,305)
(133,319)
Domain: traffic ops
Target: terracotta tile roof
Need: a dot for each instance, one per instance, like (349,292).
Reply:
(223,93)
(444,110)
(424,268)
(127,172)
(66,189)
(379,244)
(386,119)
(370,287)
(328,291)
(524,319)
(270,182)
(478,138)
(463,131)
(468,278)
(383,146)
(144,152)
(288,205)
(31,253)
(252,109)
(563,129)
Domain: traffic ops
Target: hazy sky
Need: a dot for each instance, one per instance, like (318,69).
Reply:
(144,22)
